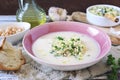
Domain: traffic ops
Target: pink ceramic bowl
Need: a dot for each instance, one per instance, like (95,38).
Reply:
(98,35)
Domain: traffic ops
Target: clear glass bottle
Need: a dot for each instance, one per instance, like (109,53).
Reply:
(30,12)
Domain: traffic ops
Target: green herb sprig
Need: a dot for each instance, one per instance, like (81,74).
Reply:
(115,65)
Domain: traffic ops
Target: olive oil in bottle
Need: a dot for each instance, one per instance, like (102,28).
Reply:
(30,12)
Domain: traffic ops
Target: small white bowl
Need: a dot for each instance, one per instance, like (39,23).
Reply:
(100,20)
(18,36)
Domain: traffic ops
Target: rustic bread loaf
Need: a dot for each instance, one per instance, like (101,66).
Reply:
(11,58)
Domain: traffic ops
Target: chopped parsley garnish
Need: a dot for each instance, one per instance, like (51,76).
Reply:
(68,47)
(111,61)
(60,38)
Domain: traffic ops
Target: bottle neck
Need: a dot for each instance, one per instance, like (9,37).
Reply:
(25,3)
(30,1)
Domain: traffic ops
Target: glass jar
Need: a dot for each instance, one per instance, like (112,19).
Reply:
(30,12)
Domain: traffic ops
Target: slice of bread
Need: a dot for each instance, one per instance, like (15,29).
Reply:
(11,58)
(2,41)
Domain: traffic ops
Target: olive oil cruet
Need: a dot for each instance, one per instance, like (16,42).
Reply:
(30,12)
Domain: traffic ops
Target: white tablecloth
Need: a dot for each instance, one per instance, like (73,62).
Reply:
(34,71)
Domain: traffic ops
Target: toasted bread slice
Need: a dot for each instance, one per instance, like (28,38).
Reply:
(11,58)
(2,41)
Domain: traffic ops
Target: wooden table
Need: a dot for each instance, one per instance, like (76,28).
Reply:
(7,18)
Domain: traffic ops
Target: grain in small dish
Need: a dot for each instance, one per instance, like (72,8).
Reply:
(14,31)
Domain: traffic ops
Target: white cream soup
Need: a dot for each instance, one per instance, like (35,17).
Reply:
(43,45)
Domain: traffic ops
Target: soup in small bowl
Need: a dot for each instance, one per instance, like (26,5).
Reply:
(103,15)
(66,45)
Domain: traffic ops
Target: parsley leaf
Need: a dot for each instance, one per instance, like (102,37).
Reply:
(114,67)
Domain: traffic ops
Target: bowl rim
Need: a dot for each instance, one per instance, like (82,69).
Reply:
(66,65)
(108,5)
(25,28)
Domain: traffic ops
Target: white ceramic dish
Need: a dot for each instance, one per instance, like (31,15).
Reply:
(18,36)
(100,20)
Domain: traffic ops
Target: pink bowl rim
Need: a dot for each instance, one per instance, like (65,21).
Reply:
(66,65)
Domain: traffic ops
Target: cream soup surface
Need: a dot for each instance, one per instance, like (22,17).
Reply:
(42,47)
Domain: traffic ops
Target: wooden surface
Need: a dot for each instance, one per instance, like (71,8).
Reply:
(10,7)
(81,17)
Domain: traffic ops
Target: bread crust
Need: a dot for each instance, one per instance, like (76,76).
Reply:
(11,58)
(2,42)
(22,61)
